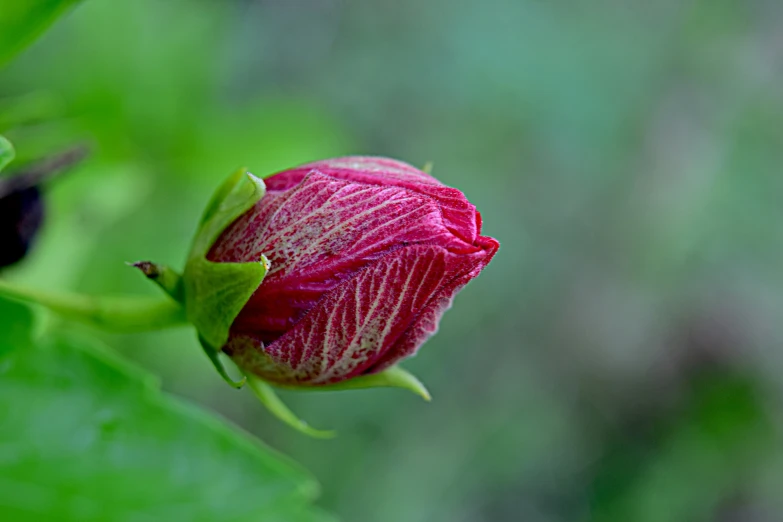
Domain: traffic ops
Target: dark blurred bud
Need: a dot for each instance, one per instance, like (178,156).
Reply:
(21,215)
(22,205)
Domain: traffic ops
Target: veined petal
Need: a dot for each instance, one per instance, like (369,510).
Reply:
(352,327)
(426,322)
(366,169)
(320,233)
(458,212)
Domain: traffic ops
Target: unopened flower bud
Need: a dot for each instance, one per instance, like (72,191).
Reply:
(365,254)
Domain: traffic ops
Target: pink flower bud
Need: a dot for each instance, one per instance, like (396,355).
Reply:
(366,254)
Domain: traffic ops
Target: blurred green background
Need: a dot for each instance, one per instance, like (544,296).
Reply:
(620,359)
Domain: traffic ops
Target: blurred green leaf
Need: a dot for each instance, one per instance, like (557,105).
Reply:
(21,21)
(6,152)
(300,514)
(16,326)
(700,460)
(87,437)
(29,108)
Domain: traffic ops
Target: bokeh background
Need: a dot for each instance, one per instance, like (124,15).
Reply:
(621,358)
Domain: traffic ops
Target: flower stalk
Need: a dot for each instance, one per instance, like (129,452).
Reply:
(127,314)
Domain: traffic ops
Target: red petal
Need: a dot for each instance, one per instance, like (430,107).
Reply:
(364,169)
(426,322)
(382,314)
(458,212)
(317,235)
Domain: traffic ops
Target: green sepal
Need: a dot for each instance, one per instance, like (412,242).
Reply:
(393,377)
(230,200)
(7,152)
(214,357)
(215,293)
(266,394)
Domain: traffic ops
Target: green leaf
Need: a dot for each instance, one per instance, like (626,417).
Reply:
(720,434)
(215,293)
(300,514)
(85,436)
(21,21)
(7,152)
(15,327)
(29,107)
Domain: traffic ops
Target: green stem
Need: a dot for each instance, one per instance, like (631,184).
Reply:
(167,278)
(116,314)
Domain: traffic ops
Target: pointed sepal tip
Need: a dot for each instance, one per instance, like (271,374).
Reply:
(393,377)
(266,394)
(214,357)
